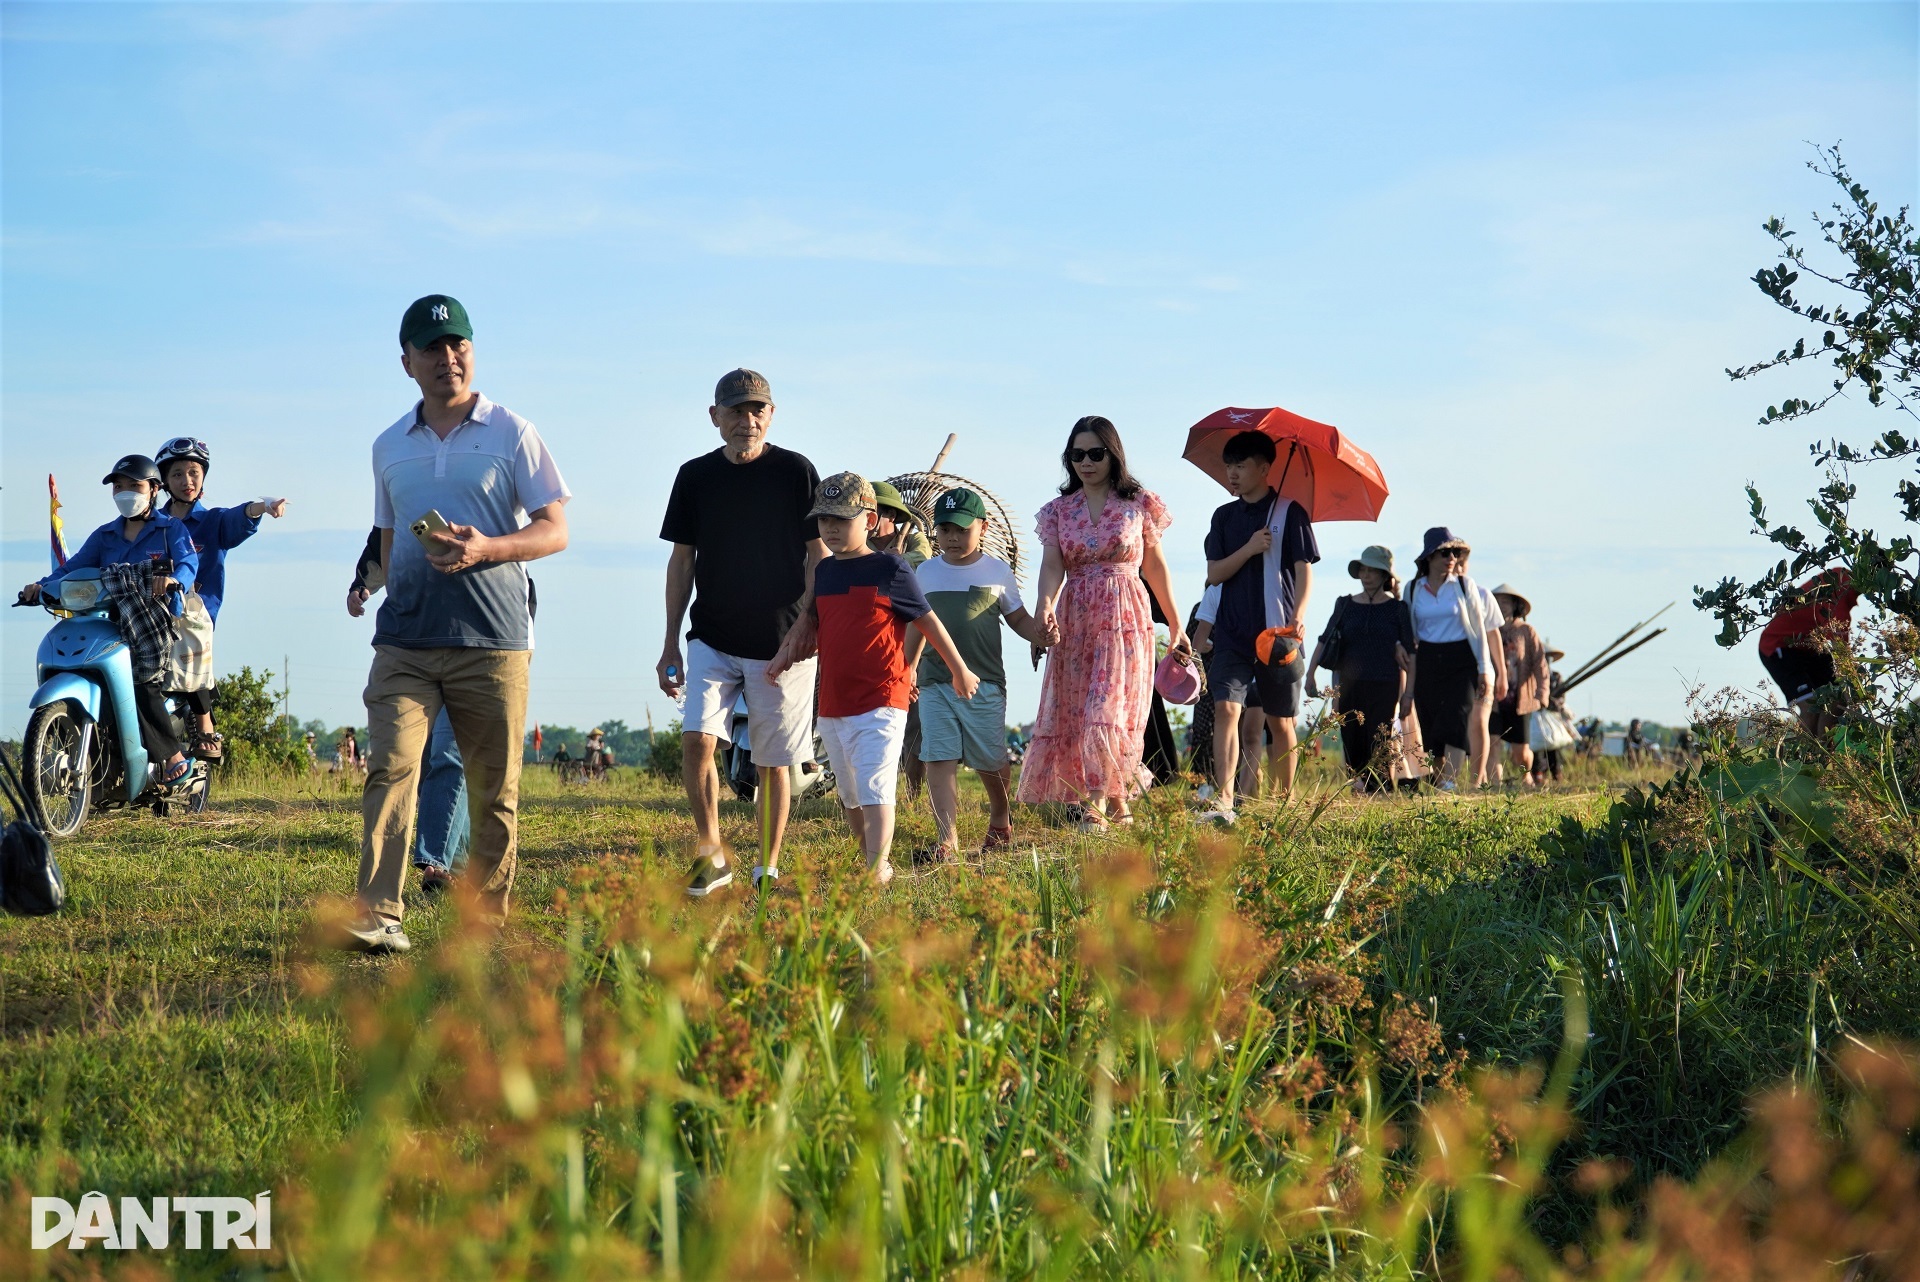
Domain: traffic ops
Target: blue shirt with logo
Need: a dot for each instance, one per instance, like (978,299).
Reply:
(215,531)
(489,472)
(161,537)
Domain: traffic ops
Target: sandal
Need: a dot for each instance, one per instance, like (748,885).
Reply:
(997,839)
(207,747)
(932,856)
(174,774)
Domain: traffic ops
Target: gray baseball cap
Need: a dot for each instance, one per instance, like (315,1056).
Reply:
(741,386)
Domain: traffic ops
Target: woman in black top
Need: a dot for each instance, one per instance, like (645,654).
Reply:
(1369,642)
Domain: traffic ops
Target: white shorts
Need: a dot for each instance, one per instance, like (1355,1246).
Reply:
(779,717)
(864,751)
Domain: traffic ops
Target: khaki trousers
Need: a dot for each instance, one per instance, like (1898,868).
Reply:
(485,695)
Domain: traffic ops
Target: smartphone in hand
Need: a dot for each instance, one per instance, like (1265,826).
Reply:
(429,525)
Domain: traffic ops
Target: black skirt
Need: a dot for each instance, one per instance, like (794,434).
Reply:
(1444,680)
(1366,711)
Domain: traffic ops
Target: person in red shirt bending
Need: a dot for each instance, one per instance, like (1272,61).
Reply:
(864,601)
(1797,646)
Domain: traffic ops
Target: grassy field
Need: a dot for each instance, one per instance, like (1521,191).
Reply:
(1084,1057)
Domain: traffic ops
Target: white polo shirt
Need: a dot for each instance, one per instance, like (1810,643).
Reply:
(489,472)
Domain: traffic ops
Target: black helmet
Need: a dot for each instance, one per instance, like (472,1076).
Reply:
(135,467)
(184,447)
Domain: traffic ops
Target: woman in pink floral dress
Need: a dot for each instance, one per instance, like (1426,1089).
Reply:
(1101,538)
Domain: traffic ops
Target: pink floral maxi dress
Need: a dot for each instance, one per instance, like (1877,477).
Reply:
(1088,738)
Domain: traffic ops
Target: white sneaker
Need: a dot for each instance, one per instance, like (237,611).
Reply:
(1222,815)
(372,933)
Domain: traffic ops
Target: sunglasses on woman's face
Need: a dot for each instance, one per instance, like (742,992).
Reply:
(1098,454)
(1453,554)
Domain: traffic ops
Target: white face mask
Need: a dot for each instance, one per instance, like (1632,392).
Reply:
(131,503)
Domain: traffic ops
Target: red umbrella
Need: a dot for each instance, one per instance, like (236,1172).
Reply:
(1318,467)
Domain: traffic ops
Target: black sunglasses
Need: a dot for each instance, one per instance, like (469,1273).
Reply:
(1098,454)
(1457,554)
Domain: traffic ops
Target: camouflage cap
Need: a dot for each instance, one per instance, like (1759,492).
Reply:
(741,386)
(886,497)
(844,494)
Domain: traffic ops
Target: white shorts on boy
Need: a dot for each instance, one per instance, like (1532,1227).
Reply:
(864,751)
(970,731)
(779,717)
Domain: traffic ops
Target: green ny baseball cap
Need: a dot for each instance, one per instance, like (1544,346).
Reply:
(959,507)
(434,316)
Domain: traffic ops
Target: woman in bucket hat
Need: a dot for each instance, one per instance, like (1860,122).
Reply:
(1527,675)
(1369,644)
(1461,669)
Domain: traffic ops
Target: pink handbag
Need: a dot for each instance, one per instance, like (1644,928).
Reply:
(1177,679)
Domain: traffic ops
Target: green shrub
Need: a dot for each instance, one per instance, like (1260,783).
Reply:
(664,759)
(246,712)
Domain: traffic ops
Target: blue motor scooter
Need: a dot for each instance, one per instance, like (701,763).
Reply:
(82,747)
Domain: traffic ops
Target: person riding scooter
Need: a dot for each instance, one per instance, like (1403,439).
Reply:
(142,536)
(184,463)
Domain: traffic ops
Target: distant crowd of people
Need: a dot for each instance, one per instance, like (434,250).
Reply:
(823,605)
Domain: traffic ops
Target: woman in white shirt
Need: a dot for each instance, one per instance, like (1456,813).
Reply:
(1461,669)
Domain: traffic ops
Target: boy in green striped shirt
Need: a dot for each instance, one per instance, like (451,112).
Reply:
(970,593)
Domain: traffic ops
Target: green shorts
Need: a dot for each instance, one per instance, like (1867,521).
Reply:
(972,731)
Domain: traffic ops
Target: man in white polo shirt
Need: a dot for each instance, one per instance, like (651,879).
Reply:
(456,630)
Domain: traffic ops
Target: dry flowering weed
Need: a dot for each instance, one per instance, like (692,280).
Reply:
(1124,1066)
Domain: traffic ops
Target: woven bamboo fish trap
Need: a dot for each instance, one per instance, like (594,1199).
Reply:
(921,490)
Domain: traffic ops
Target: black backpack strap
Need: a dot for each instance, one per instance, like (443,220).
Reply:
(16,793)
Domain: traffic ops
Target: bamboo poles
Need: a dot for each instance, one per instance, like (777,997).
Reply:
(1613,652)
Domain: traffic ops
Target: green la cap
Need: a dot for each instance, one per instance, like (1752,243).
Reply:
(886,498)
(741,386)
(844,494)
(434,316)
(959,507)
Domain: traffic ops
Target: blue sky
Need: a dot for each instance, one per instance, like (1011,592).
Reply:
(1507,248)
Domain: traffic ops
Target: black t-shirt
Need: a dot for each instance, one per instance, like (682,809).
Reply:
(748,526)
(1243,600)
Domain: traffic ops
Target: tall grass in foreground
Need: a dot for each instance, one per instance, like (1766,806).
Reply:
(1116,1074)
(1189,1059)
(1132,1080)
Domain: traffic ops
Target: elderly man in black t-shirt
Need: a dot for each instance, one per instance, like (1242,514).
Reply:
(744,550)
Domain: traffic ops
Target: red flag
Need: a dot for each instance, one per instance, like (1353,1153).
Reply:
(536,739)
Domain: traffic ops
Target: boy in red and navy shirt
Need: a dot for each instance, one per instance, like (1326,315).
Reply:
(1796,646)
(864,601)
